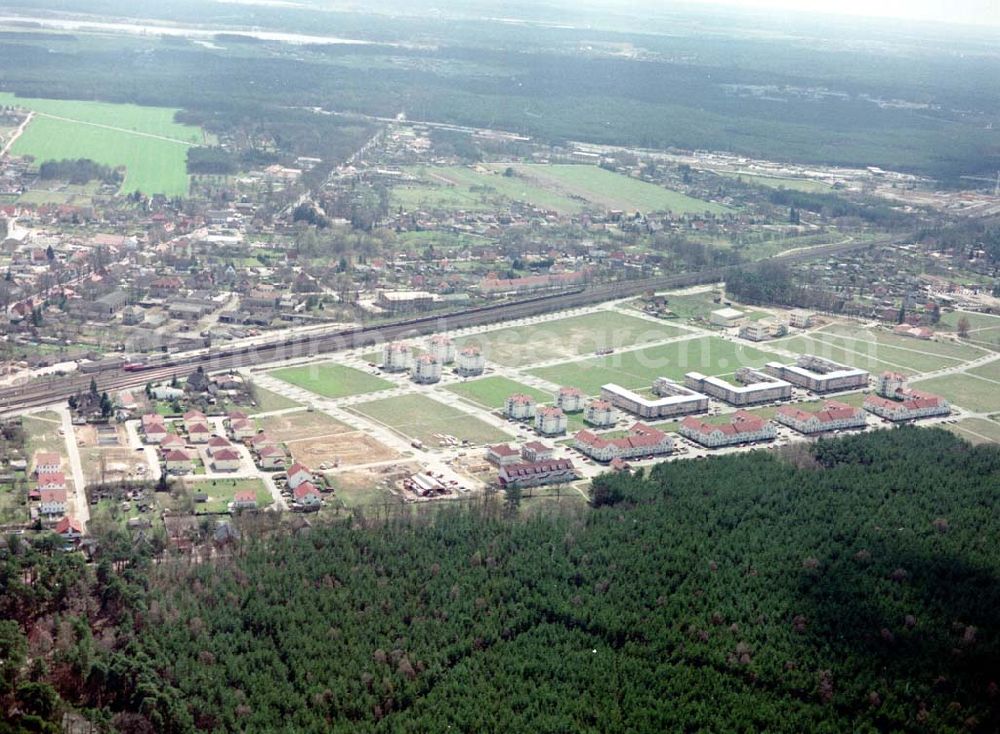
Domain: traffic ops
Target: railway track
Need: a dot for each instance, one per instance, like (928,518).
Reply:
(52,390)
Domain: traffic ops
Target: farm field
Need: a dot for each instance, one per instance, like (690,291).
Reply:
(639,368)
(460,187)
(609,190)
(976,430)
(566,338)
(775,182)
(956,351)
(419,417)
(332,380)
(966,391)
(146,140)
(221,492)
(492,392)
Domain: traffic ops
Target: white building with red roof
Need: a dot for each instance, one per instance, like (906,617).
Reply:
(177,461)
(199,432)
(426,369)
(743,427)
(271,457)
(154,428)
(52,501)
(396,357)
(298,474)
(534,474)
(908,406)
(226,460)
(245,499)
(442,348)
(47,462)
(307,495)
(641,440)
(470,362)
(69,528)
(550,421)
(537,451)
(502,455)
(242,428)
(831,416)
(600,413)
(519,407)
(570,399)
(217,443)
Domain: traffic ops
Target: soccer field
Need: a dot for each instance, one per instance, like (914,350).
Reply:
(332,380)
(567,338)
(639,368)
(416,416)
(492,392)
(145,140)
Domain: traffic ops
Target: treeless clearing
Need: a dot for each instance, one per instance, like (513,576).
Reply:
(348,448)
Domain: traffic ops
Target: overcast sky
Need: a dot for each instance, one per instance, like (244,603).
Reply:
(976,12)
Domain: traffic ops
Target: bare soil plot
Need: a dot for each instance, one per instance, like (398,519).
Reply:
(340,449)
(303,425)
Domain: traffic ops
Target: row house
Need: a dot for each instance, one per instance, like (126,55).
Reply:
(908,406)
(831,416)
(534,474)
(642,440)
(743,427)
(52,502)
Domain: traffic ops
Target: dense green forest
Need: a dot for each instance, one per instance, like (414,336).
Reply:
(926,109)
(79,171)
(848,586)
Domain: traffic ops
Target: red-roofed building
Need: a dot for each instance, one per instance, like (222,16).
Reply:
(642,440)
(215,443)
(47,462)
(177,462)
(307,495)
(172,442)
(271,457)
(519,406)
(570,399)
(154,428)
(831,416)
(52,501)
(537,473)
(502,455)
(910,405)
(198,432)
(244,500)
(52,480)
(550,421)
(69,528)
(536,451)
(298,474)
(242,429)
(743,427)
(226,460)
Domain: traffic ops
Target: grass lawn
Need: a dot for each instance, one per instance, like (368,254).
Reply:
(332,380)
(268,401)
(984,329)
(640,367)
(609,190)
(915,356)
(221,492)
(956,352)
(774,182)
(966,391)
(870,356)
(492,392)
(13,505)
(425,419)
(42,433)
(976,430)
(146,140)
(989,371)
(566,338)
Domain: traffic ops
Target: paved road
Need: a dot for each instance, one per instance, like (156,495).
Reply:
(81,507)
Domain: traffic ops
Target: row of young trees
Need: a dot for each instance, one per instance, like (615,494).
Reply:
(851,586)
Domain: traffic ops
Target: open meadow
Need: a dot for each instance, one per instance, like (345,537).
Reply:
(638,368)
(966,391)
(492,392)
(331,380)
(222,491)
(566,338)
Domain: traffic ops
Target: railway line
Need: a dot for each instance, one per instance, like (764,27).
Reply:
(52,390)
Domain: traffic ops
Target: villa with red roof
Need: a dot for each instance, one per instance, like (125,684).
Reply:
(831,416)
(245,500)
(271,457)
(226,460)
(743,427)
(199,432)
(216,443)
(307,495)
(242,428)
(69,528)
(642,440)
(298,474)
(52,501)
(177,462)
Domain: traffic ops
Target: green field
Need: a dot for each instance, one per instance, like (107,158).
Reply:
(639,368)
(221,492)
(966,391)
(955,351)
(146,140)
(916,355)
(976,430)
(332,380)
(416,416)
(984,329)
(870,356)
(989,371)
(609,190)
(458,187)
(776,182)
(492,392)
(566,338)
(268,401)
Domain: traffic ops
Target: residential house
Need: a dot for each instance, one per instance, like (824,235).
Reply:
(743,427)
(502,455)
(177,462)
(244,500)
(298,474)
(47,462)
(226,460)
(52,501)
(554,471)
(271,458)
(69,528)
(550,421)
(641,441)
(519,407)
(307,495)
(570,399)
(831,416)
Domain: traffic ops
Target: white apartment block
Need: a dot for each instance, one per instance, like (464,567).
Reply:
(819,375)
(674,399)
(753,387)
